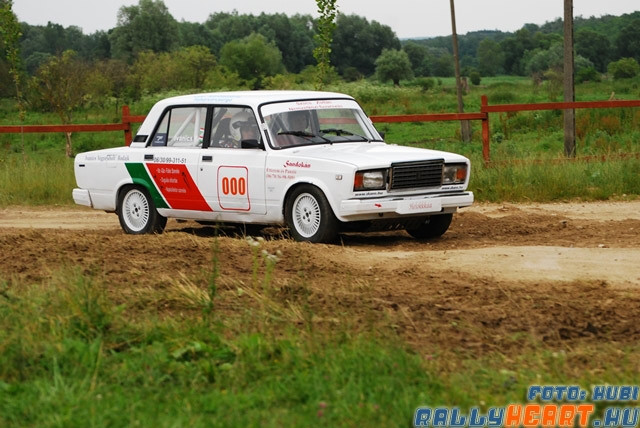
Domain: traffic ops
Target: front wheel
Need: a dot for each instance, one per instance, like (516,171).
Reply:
(309,215)
(433,226)
(137,212)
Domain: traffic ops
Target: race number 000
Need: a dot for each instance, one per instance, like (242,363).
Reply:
(233,188)
(233,185)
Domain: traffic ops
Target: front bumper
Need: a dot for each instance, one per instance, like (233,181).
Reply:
(357,209)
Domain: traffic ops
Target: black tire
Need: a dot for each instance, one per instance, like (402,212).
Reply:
(433,226)
(137,212)
(309,215)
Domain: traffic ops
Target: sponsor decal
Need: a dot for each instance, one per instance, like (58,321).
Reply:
(562,406)
(107,158)
(173,185)
(280,174)
(177,186)
(296,164)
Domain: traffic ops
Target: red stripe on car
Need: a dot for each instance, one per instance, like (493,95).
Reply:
(177,186)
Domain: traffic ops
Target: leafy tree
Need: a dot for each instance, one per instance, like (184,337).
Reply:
(628,41)
(624,68)
(253,58)
(490,58)
(357,43)
(324,37)
(443,66)
(108,79)
(292,35)
(545,59)
(197,34)
(60,85)
(419,57)
(227,27)
(9,42)
(147,26)
(197,62)
(593,46)
(185,68)
(514,48)
(393,64)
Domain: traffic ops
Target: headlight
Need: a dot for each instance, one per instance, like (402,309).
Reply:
(370,180)
(454,173)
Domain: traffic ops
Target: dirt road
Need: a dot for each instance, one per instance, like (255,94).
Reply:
(557,272)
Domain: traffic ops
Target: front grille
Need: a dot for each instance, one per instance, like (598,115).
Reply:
(420,174)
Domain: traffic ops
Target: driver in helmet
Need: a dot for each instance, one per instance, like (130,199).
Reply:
(297,122)
(244,127)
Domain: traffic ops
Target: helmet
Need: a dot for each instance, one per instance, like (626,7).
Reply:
(243,126)
(298,120)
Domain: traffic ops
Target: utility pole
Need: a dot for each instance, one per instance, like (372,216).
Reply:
(569,88)
(465,126)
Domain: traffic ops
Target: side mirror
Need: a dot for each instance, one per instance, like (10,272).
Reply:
(251,144)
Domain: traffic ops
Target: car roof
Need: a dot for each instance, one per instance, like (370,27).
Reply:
(252,98)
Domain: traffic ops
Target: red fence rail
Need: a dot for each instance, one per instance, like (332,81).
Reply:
(125,125)
(128,120)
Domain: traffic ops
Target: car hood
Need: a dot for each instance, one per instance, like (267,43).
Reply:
(370,155)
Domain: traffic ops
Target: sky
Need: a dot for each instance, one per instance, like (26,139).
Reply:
(407,18)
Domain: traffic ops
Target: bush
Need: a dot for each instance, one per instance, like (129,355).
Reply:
(474,76)
(624,68)
(425,83)
(502,96)
(588,74)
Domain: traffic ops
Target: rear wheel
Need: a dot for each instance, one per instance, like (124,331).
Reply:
(433,226)
(309,215)
(137,212)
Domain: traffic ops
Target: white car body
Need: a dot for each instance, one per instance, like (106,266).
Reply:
(184,165)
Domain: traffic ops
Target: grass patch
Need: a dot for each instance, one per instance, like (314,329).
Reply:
(37,179)
(70,356)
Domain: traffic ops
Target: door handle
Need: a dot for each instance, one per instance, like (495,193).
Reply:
(207,158)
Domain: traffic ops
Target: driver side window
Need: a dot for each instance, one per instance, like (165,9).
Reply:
(231,125)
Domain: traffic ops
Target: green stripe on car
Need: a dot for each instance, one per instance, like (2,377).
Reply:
(140,176)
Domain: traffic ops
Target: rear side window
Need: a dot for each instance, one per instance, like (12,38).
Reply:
(181,127)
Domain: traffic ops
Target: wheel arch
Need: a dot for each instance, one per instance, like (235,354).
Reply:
(303,182)
(156,196)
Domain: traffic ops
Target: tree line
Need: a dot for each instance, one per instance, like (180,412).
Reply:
(150,51)
(534,49)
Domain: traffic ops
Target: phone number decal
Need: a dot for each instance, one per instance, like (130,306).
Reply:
(169,159)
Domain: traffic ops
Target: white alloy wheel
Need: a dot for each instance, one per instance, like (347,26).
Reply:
(309,215)
(136,210)
(306,215)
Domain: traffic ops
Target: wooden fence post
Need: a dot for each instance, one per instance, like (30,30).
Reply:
(485,129)
(126,120)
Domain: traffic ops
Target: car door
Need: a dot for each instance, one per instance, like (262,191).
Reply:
(230,177)
(172,159)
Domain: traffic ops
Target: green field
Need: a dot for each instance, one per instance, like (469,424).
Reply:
(533,137)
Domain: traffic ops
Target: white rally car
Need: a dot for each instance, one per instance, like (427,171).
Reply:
(310,160)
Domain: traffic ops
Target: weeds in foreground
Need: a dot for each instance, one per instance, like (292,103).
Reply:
(70,356)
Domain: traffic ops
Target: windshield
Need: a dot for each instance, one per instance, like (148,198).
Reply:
(301,123)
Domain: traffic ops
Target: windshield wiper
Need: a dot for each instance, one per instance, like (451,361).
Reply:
(303,134)
(340,132)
